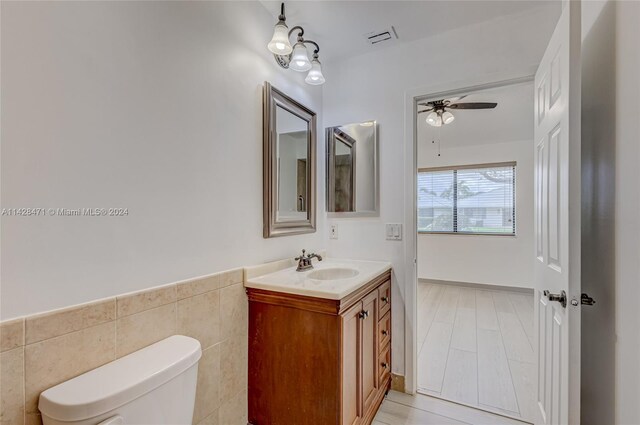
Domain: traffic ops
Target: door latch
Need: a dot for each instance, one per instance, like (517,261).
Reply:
(585,299)
(561,297)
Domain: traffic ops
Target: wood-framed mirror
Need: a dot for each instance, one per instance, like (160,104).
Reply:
(289,168)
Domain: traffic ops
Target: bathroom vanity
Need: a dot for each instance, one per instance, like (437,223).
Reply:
(319,343)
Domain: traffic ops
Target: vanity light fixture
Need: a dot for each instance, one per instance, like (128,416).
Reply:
(296,57)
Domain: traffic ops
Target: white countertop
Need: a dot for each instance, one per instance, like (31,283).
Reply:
(289,281)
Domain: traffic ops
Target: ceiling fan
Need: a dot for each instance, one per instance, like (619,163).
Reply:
(440,115)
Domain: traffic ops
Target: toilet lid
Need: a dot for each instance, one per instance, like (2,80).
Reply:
(117,383)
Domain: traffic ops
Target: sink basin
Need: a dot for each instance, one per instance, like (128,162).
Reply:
(334,273)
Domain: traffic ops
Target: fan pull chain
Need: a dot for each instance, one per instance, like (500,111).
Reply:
(433,141)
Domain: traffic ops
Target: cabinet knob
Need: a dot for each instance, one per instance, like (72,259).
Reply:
(384,332)
(384,299)
(384,365)
(364,314)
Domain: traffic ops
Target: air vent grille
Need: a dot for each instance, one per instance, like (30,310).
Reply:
(385,35)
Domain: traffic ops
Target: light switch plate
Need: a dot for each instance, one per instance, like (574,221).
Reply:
(394,231)
(333,231)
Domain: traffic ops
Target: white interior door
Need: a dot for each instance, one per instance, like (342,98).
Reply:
(557,222)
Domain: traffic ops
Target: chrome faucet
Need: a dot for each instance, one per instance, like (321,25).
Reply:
(304,261)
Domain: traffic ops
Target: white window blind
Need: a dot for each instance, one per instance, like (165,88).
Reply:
(476,199)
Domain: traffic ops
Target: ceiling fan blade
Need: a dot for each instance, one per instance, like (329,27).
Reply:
(426,110)
(473,105)
(425,104)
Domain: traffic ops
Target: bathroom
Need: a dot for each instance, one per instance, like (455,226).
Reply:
(144,210)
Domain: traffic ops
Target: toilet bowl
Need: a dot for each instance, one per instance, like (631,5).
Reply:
(155,385)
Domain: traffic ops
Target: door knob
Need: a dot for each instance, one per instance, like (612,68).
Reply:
(561,297)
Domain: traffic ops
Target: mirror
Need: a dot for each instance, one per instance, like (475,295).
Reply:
(289,165)
(352,170)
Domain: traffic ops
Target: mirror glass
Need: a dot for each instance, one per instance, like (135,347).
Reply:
(289,168)
(292,153)
(352,169)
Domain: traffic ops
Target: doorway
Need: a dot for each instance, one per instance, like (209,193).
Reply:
(475,303)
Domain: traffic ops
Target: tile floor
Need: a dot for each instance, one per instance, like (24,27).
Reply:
(476,348)
(404,409)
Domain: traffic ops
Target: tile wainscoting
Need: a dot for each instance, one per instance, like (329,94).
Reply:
(40,351)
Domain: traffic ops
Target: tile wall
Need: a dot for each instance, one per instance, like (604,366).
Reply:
(40,351)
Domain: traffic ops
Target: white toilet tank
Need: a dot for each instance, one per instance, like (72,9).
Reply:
(155,385)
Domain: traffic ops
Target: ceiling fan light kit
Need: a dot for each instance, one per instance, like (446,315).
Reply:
(434,119)
(296,57)
(447,117)
(439,115)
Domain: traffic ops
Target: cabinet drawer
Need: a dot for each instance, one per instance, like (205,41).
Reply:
(384,331)
(384,298)
(384,365)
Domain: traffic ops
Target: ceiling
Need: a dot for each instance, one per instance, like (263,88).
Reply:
(340,26)
(511,120)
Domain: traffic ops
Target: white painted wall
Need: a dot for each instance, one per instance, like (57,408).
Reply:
(152,106)
(373,86)
(627,213)
(494,260)
(611,223)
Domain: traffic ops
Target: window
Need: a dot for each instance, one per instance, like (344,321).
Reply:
(477,199)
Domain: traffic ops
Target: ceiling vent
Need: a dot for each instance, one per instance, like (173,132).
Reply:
(383,36)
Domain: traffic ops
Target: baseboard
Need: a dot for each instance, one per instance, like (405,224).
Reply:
(478,285)
(397,382)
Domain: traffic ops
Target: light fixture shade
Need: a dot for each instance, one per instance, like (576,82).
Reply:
(279,43)
(299,58)
(448,117)
(434,119)
(315,77)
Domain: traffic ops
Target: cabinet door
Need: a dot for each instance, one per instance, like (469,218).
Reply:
(369,323)
(351,366)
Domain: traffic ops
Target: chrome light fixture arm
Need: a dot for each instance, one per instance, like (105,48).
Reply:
(316,50)
(297,27)
(282,16)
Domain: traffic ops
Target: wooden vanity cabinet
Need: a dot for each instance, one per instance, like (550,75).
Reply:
(319,361)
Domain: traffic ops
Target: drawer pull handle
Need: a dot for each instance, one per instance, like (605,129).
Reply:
(364,314)
(384,299)
(384,365)
(384,332)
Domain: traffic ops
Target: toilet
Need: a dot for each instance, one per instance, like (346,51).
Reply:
(155,385)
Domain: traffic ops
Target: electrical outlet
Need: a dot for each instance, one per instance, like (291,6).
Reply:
(394,231)
(333,231)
